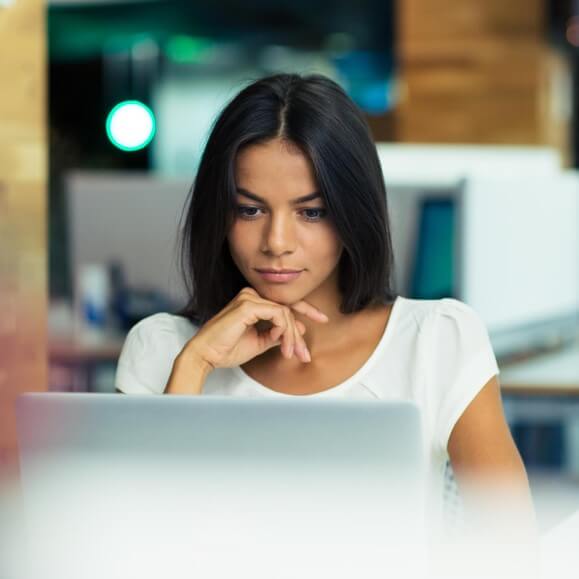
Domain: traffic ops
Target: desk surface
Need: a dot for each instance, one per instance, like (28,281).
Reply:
(555,373)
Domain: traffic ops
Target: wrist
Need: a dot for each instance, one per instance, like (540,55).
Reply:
(188,375)
(190,361)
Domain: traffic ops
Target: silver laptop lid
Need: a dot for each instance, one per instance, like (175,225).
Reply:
(216,485)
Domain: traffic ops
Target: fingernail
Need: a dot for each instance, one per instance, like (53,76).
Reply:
(324,316)
(307,354)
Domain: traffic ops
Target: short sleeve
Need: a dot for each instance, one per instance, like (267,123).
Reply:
(150,348)
(463,362)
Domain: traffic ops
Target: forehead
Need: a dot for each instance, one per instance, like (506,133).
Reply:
(274,161)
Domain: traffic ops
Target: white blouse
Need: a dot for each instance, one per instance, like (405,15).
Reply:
(436,353)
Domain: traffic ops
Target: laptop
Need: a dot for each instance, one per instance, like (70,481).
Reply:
(216,486)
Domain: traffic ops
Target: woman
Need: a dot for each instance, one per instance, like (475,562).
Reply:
(290,180)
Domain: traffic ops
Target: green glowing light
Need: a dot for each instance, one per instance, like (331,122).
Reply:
(130,125)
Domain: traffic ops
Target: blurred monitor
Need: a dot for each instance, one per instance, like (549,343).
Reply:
(416,212)
(413,172)
(131,219)
(433,275)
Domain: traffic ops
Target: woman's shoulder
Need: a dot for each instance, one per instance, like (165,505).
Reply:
(456,313)
(149,350)
(165,322)
(432,324)
(159,334)
(451,331)
(425,311)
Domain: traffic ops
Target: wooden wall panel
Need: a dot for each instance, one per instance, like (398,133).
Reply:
(464,22)
(477,71)
(23,235)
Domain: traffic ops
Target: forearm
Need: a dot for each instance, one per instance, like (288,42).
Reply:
(500,524)
(499,502)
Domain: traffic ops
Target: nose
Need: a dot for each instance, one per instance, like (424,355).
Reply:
(279,235)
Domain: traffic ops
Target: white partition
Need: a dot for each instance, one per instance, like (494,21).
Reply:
(444,165)
(519,261)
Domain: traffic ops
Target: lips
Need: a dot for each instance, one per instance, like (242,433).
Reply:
(279,277)
(279,270)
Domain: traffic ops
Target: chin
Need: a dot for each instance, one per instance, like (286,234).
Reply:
(280,293)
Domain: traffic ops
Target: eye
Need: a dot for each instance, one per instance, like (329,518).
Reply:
(248,212)
(321,214)
(241,210)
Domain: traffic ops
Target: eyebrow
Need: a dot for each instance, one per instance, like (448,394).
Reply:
(257,198)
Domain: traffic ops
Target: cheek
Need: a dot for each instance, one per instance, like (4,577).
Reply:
(325,246)
(329,240)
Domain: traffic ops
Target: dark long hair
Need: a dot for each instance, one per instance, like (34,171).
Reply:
(314,113)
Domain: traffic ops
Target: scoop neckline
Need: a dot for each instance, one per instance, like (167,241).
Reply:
(366,367)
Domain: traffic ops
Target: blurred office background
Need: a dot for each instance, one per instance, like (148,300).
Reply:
(472,104)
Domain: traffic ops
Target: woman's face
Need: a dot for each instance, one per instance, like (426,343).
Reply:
(277,232)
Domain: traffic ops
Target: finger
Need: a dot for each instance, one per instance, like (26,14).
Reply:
(275,333)
(248,290)
(301,347)
(302,306)
(311,311)
(279,331)
(289,334)
(269,340)
(301,327)
(256,311)
(246,294)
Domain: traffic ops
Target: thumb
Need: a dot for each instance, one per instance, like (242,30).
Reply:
(269,344)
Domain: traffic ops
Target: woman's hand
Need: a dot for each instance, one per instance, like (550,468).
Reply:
(231,337)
